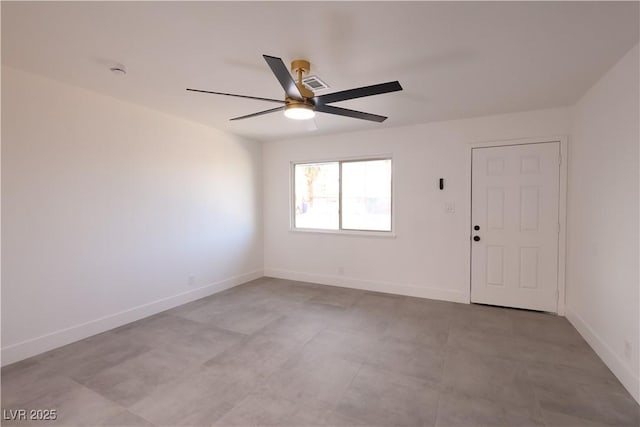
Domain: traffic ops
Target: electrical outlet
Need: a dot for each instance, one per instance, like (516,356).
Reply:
(628,349)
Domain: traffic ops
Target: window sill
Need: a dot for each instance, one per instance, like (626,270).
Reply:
(352,233)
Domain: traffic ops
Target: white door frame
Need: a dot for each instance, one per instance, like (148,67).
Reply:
(562,205)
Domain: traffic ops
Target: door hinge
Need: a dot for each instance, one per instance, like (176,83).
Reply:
(560,159)
(557,295)
(558,228)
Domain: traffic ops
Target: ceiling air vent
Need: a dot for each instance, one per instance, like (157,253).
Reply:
(314,83)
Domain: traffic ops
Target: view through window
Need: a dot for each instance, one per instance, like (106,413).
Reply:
(343,195)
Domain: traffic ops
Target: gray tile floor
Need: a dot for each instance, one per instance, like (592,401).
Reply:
(277,352)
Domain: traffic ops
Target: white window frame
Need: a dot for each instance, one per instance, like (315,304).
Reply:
(340,230)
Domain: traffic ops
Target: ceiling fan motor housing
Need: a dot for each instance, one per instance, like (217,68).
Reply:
(299,110)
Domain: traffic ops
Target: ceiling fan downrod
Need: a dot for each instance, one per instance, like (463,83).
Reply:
(302,67)
(300,109)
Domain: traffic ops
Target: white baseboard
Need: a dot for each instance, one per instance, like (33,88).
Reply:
(619,368)
(370,285)
(22,350)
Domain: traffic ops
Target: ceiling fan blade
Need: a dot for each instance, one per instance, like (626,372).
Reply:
(358,93)
(279,101)
(260,113)
(284,77)
(349,113)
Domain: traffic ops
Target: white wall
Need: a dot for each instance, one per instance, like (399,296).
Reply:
(429,257)
(602,268)
(108,209)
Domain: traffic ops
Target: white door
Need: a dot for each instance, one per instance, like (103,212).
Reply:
(514,226)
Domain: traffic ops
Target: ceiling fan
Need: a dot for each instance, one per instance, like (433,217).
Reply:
(300,103)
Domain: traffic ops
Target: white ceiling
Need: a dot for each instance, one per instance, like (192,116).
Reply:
(453,59)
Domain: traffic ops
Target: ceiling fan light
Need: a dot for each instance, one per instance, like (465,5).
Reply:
(299,112)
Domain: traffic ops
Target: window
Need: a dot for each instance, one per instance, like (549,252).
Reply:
(343,195)
(317,196)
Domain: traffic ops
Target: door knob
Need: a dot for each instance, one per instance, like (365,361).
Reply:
(476,238)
